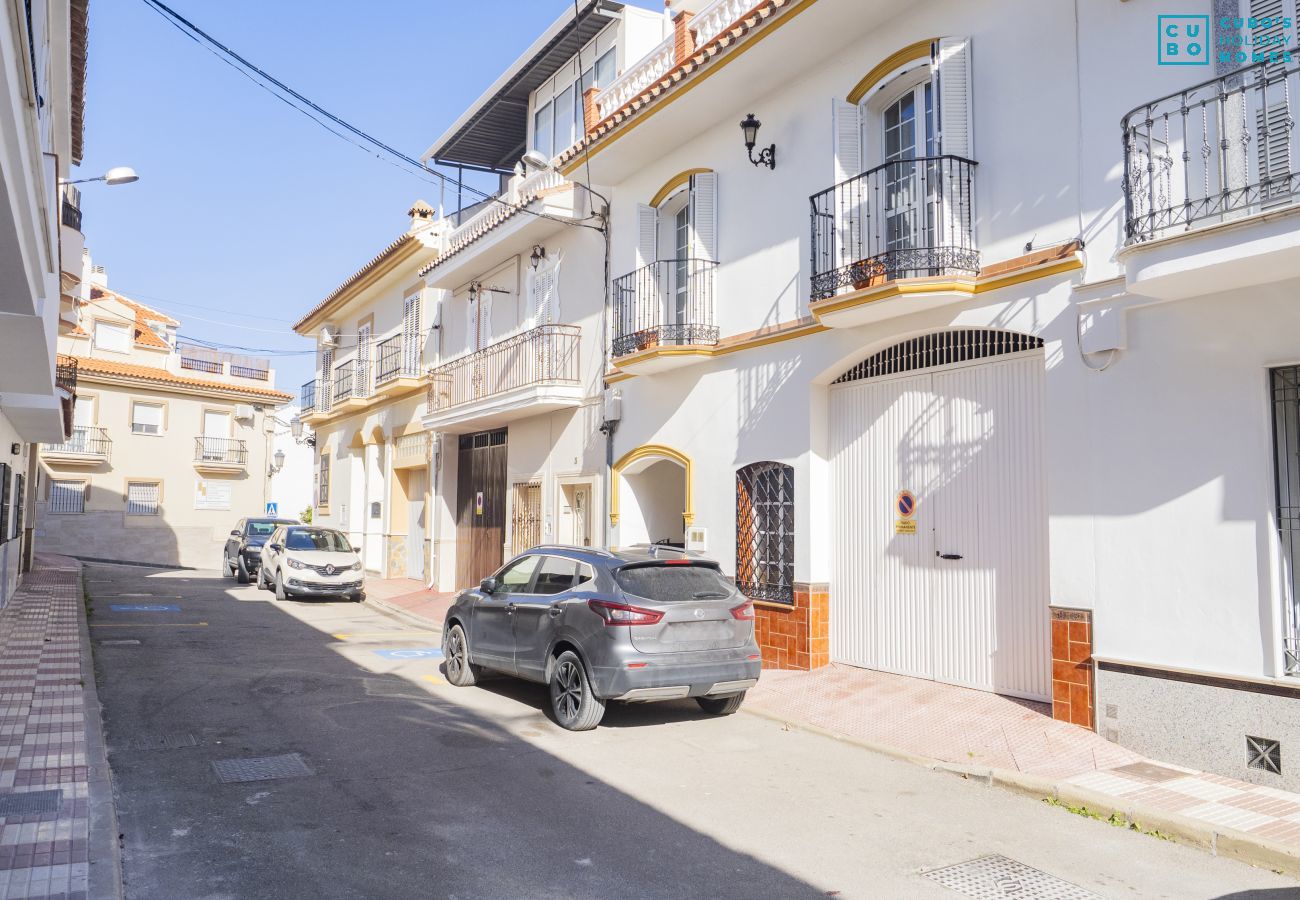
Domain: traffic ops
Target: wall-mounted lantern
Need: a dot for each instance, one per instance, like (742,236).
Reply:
(766,156)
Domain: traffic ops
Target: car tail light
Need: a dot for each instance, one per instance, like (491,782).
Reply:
(743,611)
(677,562)
(622,614)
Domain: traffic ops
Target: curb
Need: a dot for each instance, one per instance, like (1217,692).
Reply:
(1219,841)
(105,853)
(398,613)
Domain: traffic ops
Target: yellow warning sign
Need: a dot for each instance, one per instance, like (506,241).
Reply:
(905,526)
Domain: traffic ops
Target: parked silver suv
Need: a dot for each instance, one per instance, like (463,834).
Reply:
(641,624)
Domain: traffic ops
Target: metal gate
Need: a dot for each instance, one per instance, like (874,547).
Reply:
(526,517)
(939,519)
(1286,456)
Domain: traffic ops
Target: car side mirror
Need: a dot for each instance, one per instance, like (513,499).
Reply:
(278,548)
(488,585)
(235,533)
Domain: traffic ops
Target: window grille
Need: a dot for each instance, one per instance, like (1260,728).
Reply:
(67,497)
(526,516)
(142,498)
(324,499)
(1286,463)
(941,349)
(5,488)
(765,532)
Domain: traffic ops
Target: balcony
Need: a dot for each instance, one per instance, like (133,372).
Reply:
(888,242)
(219,362)
(88,446)
(71,207)
(344,394)
(412,451)
(387,369)
(307,399)
(220,454)
(65,374)
(1211,184)
(397,364)
(663,315)
(533,372)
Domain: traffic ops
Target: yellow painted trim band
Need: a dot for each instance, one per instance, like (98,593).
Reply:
(674,183)
(888,64)
(683,87)
(653,451)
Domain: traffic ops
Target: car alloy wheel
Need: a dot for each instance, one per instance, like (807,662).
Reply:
(575,706)
(568,695)
(455,651)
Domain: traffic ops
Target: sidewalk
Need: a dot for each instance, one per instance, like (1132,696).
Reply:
(58,838)
(1009,742)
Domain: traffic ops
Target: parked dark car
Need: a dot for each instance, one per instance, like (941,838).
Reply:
(639,624)
(243,552)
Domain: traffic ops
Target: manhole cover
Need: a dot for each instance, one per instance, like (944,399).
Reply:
(1149,772)
(162,741)
(995,877)
(261,768)
(30,803)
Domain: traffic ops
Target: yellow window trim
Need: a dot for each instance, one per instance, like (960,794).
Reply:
(674,183)
(919,50)
(653,451)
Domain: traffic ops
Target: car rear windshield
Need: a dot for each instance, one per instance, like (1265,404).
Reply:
(260,529)
(317,540)
(674,583)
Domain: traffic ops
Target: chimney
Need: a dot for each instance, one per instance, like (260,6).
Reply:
(422,215)
(590,112)
(683,37)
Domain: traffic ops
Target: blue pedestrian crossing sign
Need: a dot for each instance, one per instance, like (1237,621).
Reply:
(273,509)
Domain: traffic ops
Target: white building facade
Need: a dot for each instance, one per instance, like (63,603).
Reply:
(42,84)
(986,381)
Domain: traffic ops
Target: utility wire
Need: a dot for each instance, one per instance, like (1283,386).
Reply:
(316,112)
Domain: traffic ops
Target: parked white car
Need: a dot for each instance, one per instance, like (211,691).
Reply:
(305,560)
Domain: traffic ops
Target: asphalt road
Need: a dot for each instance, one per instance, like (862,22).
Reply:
(421,789)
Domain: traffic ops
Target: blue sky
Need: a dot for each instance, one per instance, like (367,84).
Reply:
(246,212)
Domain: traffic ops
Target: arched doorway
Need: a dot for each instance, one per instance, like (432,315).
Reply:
(939,520)
(651,496)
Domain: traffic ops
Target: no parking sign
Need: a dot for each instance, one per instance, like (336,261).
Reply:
(905,508)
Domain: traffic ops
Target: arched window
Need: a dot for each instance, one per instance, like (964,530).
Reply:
(940,349)
(765,532)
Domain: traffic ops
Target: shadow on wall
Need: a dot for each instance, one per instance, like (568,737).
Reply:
(102,529)
(485,802)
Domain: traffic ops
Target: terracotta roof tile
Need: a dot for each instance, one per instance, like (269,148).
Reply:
(144,335)
(406,239)
(752,21)
(89,366)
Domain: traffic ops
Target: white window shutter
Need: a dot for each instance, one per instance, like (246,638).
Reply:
(953,74)
(846,121)
(647,235)
(484,319)
(471,324)
(704,216)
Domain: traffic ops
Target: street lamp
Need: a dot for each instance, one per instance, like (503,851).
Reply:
(277,465)
(115,175)
(295,427)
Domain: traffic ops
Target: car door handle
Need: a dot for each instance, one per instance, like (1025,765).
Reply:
(554,611)
(510,607)
(947,555)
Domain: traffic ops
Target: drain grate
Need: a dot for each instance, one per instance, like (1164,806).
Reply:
(30,803)
(1264,753)
(261,768)
(162,741)
(994,877)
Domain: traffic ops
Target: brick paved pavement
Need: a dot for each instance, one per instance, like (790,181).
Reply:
(44,737)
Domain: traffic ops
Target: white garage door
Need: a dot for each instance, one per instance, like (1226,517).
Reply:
(964,598)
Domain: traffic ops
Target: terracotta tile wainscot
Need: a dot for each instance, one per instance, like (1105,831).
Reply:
(798,636)
(1073,685)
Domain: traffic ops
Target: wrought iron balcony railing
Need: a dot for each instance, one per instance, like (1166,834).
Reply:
(65,374)
(307,398)
(71,207)
(669,302)
(220,450)
(396,357)
(342,382)
(547,354)
(86,440)
(903,219)
(1214,152)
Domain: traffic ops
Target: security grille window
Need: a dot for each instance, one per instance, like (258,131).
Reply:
(142,498)
(526,517)
(941,349)
(324,499)
(67,497)
(1286,460)
(146,418)
(765,532)
(20,494)
(5,487)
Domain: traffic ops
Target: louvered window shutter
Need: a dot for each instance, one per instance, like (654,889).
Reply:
(848,205)
(411,336)
(484,319)
(953,76)
(647,235)
(1275,129)
(471,322)
(704,216)
(846,120)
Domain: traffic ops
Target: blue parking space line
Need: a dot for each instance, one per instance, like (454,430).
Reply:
(144,607)
(411,653)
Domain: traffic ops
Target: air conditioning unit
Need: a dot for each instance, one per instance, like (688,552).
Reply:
(329,336)
(244,411)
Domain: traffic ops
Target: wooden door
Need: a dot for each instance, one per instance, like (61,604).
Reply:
(481,505)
